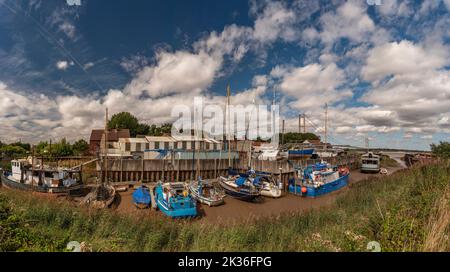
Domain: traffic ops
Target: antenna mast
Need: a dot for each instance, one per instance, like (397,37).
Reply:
(106,146)
(326,124)
(228,125)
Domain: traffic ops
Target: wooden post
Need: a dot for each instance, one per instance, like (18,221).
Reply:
(142,170)
(121,169)
(163,169)
(215,167)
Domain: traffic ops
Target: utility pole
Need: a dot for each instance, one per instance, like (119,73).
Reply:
(106,146)
(304,122)
(228,125)
(326,124)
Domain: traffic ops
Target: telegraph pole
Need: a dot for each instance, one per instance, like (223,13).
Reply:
(106,146)
(228,125)
(326,124)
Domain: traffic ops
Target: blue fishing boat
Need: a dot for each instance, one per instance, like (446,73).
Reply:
(173,199)
(319,179)
(141,197)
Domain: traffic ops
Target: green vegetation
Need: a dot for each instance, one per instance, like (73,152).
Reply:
(63,148)
(407,211)
(387,161)
(441,150)
(125,120)
(59,149)
(295,137)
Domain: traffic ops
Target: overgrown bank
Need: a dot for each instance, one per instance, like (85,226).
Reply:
(408,211)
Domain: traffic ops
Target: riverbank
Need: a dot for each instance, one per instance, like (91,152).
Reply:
(235,211)
(407,211)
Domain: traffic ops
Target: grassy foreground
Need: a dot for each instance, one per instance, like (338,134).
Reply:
(408,211)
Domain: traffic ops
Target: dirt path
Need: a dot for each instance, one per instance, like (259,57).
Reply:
(235,210)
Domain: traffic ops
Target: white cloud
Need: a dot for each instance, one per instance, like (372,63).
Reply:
(176,73)
(349,21)
(401,58)
(275,22)
(62,65)
(312,85)
(88,65)
(68,28)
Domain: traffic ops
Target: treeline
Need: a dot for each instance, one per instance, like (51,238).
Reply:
(441,150)
(125,120)
(295,137)
(44,148)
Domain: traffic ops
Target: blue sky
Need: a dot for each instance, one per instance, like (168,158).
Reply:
(383,70)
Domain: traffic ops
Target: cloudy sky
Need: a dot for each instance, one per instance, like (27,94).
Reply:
(384,70)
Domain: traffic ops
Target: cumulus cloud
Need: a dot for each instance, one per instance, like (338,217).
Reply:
(350,21)
(63,64)
(312,85)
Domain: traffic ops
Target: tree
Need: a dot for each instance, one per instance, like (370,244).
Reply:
(142,129)
(23,145)
(441,150)
(294,137)
(11,151)
(80,148)
(124,120)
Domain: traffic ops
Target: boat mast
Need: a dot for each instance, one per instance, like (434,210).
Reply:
(326,125)
(106,147)
(228,125)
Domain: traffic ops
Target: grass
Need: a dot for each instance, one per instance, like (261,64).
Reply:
(408,211)
(387,161)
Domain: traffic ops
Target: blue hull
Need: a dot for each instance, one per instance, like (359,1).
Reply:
(182,208)
(141,197)
(322,190)
(299,152)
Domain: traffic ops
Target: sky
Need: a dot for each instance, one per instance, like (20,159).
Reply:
(383,70)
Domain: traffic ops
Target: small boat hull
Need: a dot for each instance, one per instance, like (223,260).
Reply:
(321,190)
(239,193)
(179,208)
(273,193)
(215,200)
(141,197)
(40,189)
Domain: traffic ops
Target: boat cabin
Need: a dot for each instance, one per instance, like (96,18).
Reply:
(370,162)
(23,172)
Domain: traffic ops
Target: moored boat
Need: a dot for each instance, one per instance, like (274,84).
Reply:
(240,187)
(208,192)
(101,197)
(173,199)
(42,179)
(319,179)
(141,197)
(270,187)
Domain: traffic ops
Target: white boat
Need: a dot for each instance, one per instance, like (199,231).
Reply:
(40,178)
(370,163)
(270,187)
(208,192)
